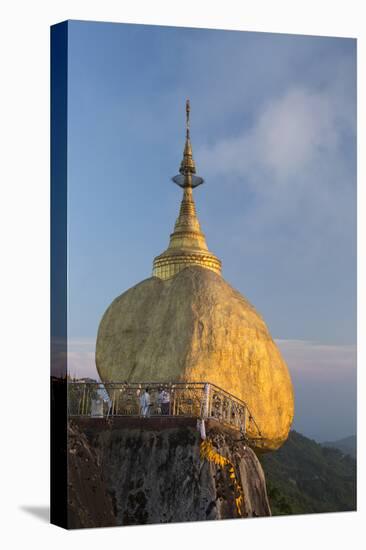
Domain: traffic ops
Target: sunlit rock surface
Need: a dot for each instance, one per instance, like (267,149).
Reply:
(196,327)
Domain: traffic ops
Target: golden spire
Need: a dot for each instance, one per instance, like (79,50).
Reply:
(187,244)
(187,165)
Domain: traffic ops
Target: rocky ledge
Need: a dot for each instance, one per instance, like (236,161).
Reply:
(131,471)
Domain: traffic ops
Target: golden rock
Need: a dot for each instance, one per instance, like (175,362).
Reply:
(195,327)
(186,323)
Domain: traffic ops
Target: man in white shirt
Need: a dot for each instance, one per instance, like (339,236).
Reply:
(145,403)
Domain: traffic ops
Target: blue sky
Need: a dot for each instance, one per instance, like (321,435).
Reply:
(273,124)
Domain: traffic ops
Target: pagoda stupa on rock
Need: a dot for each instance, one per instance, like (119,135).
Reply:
(186,323)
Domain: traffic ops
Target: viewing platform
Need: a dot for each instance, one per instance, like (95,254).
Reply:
(180,401)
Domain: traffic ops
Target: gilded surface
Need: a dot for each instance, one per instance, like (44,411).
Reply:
(196,327)
(187,244)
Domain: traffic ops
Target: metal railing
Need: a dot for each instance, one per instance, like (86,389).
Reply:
(190,399)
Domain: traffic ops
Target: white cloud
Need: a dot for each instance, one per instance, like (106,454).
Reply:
(295,162)
(292,131)
(289,135)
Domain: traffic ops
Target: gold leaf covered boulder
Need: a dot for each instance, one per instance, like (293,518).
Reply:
(196,327)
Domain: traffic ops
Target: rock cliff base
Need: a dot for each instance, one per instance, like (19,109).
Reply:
(134,471)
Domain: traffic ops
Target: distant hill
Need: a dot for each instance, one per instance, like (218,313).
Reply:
(347,445)
(303,477)
(86,380)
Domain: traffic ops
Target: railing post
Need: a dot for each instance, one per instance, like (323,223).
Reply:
(173,399)
(81,403)
(229,411)
(206,400)
(114,403)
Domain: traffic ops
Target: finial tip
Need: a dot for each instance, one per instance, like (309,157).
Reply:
(188,108)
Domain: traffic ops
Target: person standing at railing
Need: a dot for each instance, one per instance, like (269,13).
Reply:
(145,403)
(103,394)
(164,401)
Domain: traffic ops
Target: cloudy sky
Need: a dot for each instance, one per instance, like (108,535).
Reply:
(273,124)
